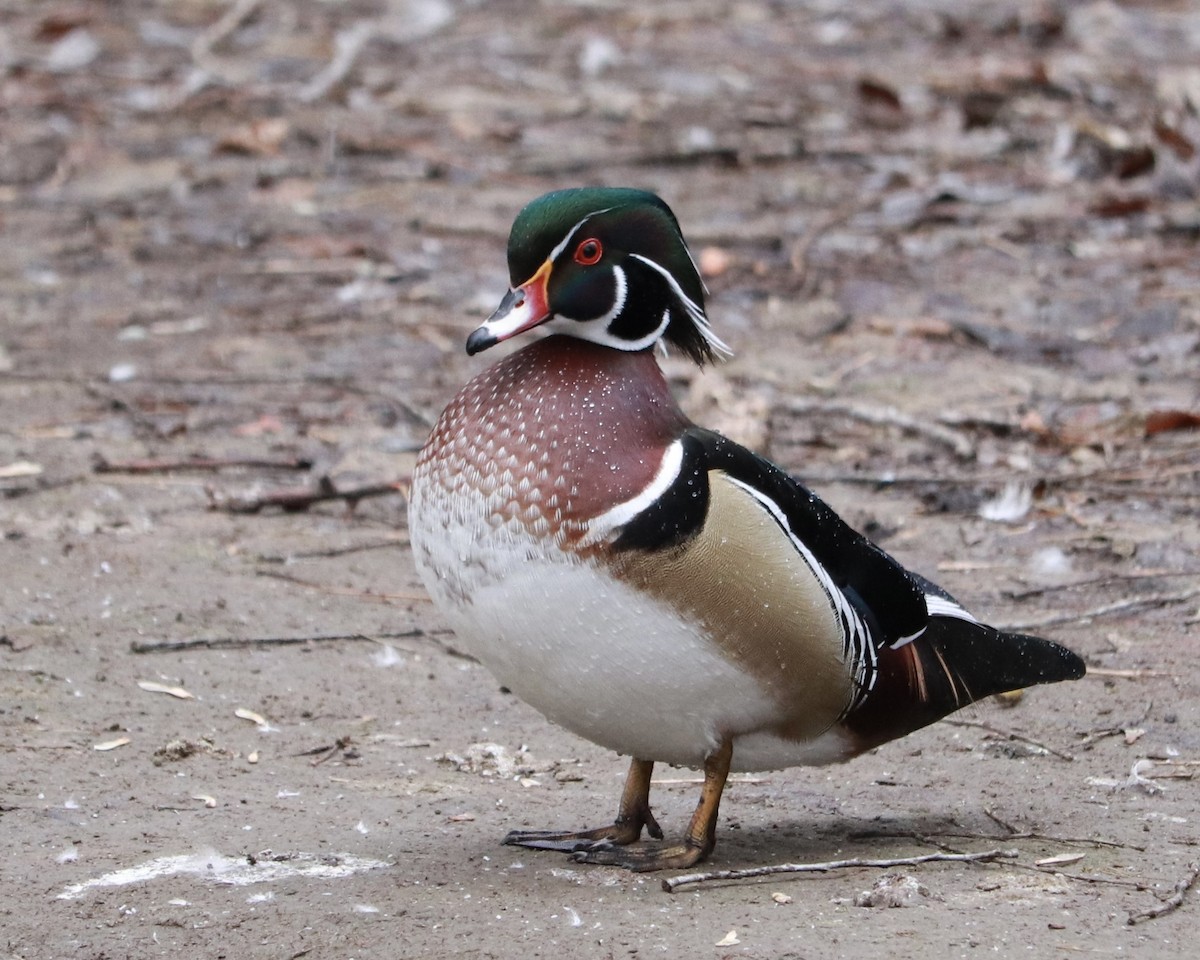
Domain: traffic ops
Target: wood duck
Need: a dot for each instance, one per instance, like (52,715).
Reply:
(647,583)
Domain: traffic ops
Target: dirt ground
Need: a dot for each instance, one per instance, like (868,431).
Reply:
(955,249)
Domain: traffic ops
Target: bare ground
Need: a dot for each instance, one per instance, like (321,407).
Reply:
(955,248)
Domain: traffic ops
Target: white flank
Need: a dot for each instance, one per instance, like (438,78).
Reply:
(601,526)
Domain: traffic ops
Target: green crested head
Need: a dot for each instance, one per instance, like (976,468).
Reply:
(606,264)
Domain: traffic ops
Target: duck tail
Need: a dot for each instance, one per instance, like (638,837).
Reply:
(953,663)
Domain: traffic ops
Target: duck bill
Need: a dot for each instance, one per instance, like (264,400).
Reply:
(522,308)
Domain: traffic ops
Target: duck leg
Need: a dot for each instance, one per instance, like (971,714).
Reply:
(698,842)
(633,814)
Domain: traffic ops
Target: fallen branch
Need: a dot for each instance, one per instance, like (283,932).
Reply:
(887,416)
(1009,735)
(1107,610)
(671,884)
(332,552)
(104,465)
(230,643)
(1096,581)
(1172,903)
(294,501)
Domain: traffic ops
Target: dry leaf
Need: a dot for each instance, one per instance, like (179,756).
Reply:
(461,818)
(151,687)
(781,897)
(713,261)
(1162,421)
(262,137)
(112,744)
(243,714)
(1059,860)
(730,939)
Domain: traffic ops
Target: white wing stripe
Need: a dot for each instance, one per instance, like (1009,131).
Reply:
(605,523)
(942,607)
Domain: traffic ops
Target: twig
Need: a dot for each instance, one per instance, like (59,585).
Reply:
(321,754)
(802,249)
(1012,833)
(229,21)
(1107,610)
(331,552)
(887,416)
(348,44)
(999,821)
(1172,903)
(343,591)
(231,643)
(1009,735)
(1140,673)
(672,883)
(104,465)
(1097,581)
(294,501)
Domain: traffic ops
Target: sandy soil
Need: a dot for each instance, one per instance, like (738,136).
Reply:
(955,248)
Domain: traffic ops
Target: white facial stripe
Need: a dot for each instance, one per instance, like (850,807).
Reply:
(621,292)
(562,245)
(859,641)
(695,314)
(602,526)
(596,331)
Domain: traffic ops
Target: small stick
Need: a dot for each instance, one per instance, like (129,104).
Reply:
(331,552)
(348,44)
(229,21)
(987,856)
(344,591)
(1094,581)
(228,643)
(1009,735)
(1172,903)
(104,465)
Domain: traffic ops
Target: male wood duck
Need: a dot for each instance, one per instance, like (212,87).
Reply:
(647,583)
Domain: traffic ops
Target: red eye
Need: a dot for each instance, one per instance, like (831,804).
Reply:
(589,252)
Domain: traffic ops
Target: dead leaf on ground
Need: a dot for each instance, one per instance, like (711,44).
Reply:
(20,468)
(151,687)
(261,138)
(1059,860)
(243,714)
(1163,421)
